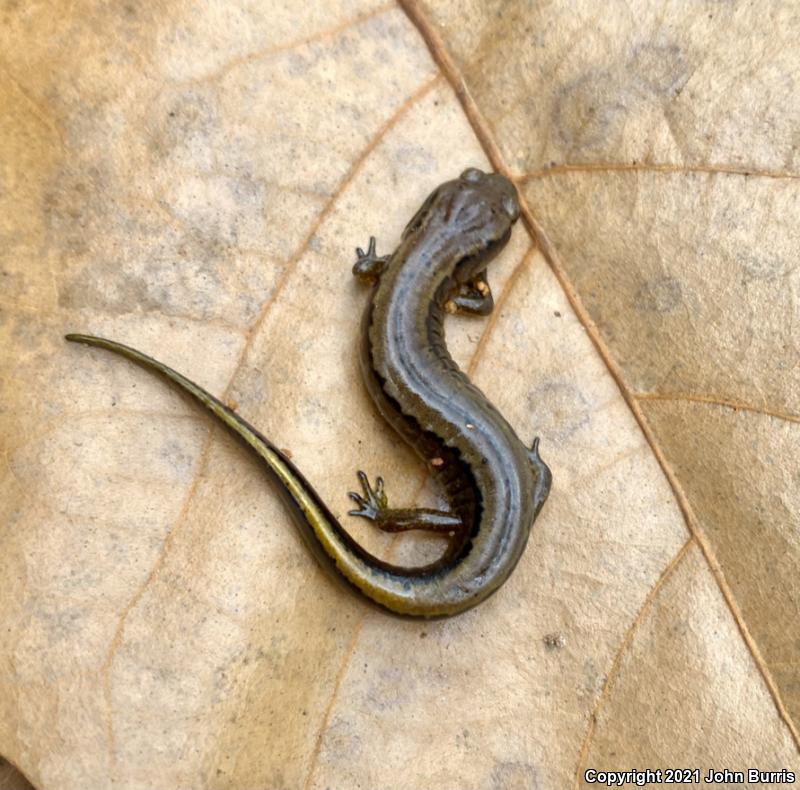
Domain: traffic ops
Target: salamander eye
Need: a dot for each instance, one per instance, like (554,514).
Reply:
(511,207)
(472,174)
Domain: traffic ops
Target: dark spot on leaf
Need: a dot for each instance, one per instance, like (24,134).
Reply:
(660,295)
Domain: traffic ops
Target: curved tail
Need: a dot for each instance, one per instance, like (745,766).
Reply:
(381,582)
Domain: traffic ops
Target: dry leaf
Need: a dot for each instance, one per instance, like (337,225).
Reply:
(193,179)
(11,778)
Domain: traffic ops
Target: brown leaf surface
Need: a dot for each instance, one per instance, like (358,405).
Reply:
(192,179)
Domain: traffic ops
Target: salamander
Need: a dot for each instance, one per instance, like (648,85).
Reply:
(494,484)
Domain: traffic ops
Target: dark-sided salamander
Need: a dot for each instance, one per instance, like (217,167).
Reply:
(495,485)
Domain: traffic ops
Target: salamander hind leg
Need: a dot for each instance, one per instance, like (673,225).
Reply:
(542,474)
(374,505)
(369,265)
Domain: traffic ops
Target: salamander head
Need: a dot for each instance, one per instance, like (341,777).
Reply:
(477,207)
(496,189)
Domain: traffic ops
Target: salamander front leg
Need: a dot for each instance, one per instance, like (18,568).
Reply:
(474,297)
(544,476)
(368,266)
(374,505)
